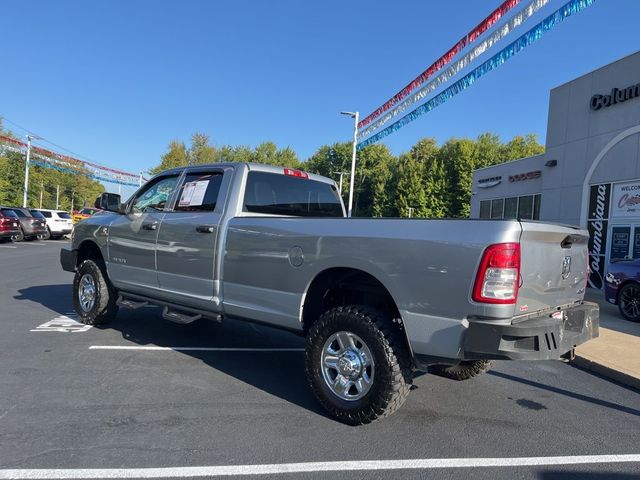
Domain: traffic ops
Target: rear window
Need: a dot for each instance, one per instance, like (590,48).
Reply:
(20,213)
(88,211)
(39,215)
(64,215)
(276,194)
(9,213)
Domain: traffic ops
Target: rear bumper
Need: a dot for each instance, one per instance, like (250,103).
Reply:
(68,259)
(538,338)
(9,233)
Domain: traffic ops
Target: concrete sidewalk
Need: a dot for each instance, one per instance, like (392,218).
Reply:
(616,352)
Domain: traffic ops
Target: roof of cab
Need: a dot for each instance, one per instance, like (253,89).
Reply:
(257,167)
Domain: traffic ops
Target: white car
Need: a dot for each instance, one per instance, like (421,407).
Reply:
(59,223)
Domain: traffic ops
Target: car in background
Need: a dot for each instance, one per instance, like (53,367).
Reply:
(31,227)
(622,287)
(83,213)
(59,223)
(9,225)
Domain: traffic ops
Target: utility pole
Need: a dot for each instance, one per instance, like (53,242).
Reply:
(355,116)
(73,197)
(41,190)
(57,196)
(140,179)
(26,169)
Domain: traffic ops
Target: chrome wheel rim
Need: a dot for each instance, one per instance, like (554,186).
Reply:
(630,301)
(87,292)
(347,366)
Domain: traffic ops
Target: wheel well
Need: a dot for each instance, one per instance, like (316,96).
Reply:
(88,250)
(346,286)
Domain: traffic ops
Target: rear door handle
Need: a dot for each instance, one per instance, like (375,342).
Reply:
(150,226)
(205,229)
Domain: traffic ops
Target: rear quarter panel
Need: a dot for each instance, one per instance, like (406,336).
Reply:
(428,266)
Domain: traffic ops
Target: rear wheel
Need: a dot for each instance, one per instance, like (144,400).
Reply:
(463,371)
(20,235)
(357,364)
(629,302)
(94,298)
(47,235)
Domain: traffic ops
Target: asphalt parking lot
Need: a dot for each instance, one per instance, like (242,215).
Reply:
(211,399)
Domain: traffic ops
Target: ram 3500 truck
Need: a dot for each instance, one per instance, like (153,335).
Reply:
(376,299)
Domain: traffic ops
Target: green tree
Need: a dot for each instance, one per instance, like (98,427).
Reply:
(520,147)
(176,156)
(200,151)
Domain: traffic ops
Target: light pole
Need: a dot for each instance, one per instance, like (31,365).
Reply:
(353,115)
(340,187)
(26,169)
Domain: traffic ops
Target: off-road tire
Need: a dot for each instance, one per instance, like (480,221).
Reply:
(392,376)
(463,371)
(104,309)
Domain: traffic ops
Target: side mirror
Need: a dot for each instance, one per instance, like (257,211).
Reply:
(109,202)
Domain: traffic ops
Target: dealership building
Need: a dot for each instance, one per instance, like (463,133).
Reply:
(589,175)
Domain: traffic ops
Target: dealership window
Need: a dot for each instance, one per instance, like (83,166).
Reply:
(526,207)
(496,208)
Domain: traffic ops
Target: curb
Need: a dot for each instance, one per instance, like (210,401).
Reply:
(600,369)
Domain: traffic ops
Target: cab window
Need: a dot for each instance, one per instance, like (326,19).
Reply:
(155,195)
(199,192)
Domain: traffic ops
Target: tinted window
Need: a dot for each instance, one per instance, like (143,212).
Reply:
(511,207)
(88,211)
(155,195)
(536,207)
(276,194)
(20,213)
(37,214)
(45,213)
(199,192)
(9,213)
(64,215)
(496,208)
(485,209)
(525,207)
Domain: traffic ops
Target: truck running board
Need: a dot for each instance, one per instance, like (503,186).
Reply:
(128,303)
(179,317)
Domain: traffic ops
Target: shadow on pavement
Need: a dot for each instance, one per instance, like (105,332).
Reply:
(277,373)
(568,393)
(55,297)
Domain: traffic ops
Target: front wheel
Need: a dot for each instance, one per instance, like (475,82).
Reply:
(357,364)
(629,302)
(93,297)
(463,371)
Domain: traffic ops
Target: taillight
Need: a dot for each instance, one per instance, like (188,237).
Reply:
(498,275)
(295,173)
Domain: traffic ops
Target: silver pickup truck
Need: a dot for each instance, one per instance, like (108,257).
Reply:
(377,299)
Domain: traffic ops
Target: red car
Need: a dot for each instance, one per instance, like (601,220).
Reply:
(9,225)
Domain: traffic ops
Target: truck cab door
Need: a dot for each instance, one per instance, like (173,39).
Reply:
(132,236)
(188,239)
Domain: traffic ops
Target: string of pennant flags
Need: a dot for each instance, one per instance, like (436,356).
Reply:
(375,132)
(64,163)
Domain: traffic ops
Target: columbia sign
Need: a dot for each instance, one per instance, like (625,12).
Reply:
(618,95)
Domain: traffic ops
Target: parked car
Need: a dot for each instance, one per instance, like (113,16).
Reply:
(83,213)
(59,223)
(9,225)
(31,227)
(622,287)
(376,299)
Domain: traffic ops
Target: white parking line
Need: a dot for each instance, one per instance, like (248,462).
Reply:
(187,349)
(282,468)
(8,246)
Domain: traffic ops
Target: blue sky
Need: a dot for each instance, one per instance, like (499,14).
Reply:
(115,81)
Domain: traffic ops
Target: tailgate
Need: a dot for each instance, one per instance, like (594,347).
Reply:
(553,266)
